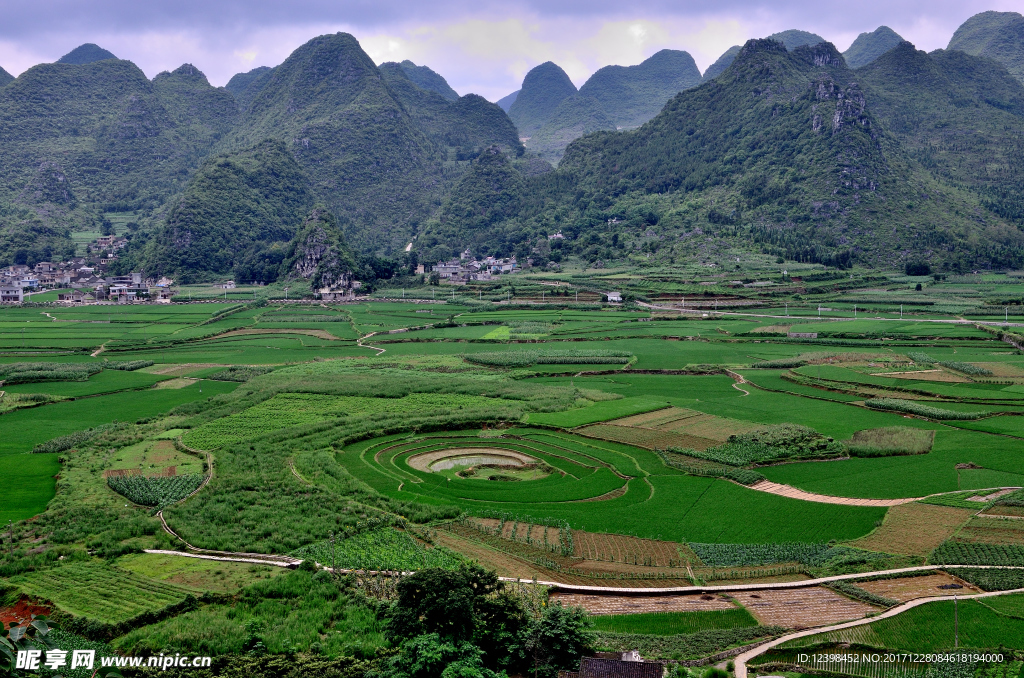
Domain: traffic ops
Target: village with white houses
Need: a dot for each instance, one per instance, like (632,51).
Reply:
(467,268)
(80,283)
(82,280)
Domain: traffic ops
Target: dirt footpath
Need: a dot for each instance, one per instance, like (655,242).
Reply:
(794,493)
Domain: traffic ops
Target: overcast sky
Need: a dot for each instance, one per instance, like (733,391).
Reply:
(483,46)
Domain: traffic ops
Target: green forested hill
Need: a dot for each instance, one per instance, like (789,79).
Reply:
(791,38)
(376,163)
(476,213)
(121,139)
(722,62)
(117,139)
(245,86)
(236,218)
(997,35)
(318,253)
(784,150)
(959,116)
(86,54)
(427,79)
(462,126)
(5,77)
(615,97)
(632,95)
(327,125)
(544,88)
(869,46)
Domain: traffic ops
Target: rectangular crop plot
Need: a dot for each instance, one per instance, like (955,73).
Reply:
(993,530)
(802,608)
(909,588)
(651,439)
(659,417)
(914,529)
(610,409)
(601,604)
(99,592)
(671,427)
(674,623)
(617,548)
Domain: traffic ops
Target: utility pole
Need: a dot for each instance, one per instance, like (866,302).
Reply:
(901,311)
(855,311)
(787,308)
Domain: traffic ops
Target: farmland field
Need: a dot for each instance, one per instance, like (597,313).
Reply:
(590,445)
(93,590)
(672,623)
(929,628)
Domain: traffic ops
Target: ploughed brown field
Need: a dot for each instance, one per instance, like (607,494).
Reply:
(805,607)
(635,604)
(909,588)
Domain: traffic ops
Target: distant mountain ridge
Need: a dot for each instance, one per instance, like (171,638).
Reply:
(86,54)
(996,35)
(426,78)
(506,101)
(791,38)
(869,46)
(245,86)
(787,151)
(791,152)
(550,112)
(544,88)
(5,77)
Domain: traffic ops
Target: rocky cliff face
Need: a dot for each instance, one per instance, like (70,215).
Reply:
(49,185)
(320,255)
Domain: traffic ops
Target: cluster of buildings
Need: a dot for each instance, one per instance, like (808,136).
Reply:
(81,283)
(105,247)
(467,268)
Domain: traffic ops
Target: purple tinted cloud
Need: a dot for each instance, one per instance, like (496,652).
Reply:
(485,47)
